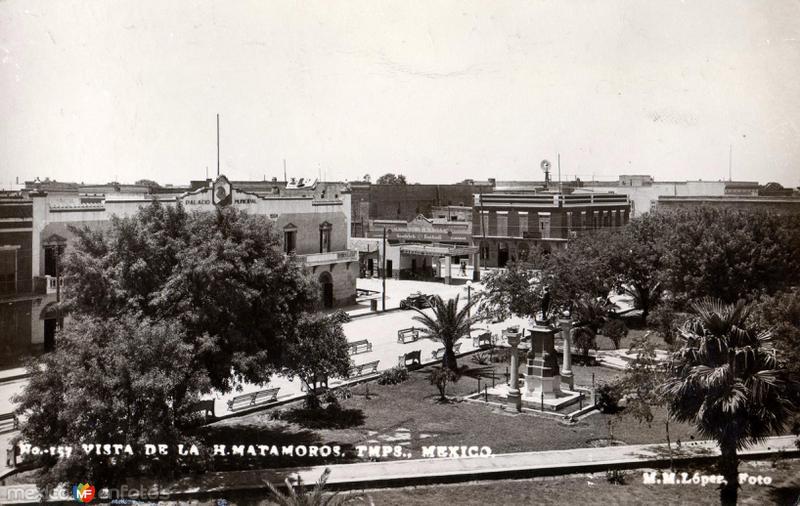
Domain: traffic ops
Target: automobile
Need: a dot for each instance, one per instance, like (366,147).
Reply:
(418,300)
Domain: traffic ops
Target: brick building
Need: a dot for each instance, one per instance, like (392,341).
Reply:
(775,204)
(406,202)
(507,225)
(34,231)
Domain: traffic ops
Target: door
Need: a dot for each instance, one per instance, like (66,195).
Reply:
(502,256)
(327,295)
(388,268)
(414,265)
(370,267)
(50,334)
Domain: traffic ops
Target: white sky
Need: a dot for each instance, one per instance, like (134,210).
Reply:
(437,90)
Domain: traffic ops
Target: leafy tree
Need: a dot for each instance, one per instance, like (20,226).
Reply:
(390,178)
(580,270)
(447,326)
(729,254)
(726,381)
(221,273)
(510,291)
(635,259)
(128,380)
(615,330)
(319,352)
(147,182)
(641,385)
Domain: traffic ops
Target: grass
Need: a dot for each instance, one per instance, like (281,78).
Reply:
(595,489)
(409,413)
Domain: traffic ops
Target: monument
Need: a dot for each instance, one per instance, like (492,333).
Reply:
(542,376)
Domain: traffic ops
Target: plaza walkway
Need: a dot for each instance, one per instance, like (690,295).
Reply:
(427,471)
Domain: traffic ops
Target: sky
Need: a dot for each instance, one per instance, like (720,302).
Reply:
(439,91)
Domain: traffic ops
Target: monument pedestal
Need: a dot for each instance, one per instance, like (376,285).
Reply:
(542,372)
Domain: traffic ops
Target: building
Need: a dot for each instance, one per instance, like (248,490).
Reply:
(34,231)
(507,225)
(775,204)
(406,202)
(422,248)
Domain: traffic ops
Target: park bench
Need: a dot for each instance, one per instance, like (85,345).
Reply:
(407,335)
(439,354)
(410,359)
(253,399)
(483,341)
(319,386)
(206,407)
(363,346)
(357,371)
(8,422)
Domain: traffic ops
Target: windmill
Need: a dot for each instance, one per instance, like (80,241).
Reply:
(545,165)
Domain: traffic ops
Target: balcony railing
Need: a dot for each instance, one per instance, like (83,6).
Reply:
(331,257)
(46,284)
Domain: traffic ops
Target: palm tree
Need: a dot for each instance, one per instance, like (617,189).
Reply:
(725,380)
(447,326)
(589,316)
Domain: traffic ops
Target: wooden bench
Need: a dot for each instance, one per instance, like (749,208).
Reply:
(253,399)
(410,359)
(8,422)
(407,335)
(319,386)
(483,341)
(363,346)
(206,407)
(439,354)
(357,371)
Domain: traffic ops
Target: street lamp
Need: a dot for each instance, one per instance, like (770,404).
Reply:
(469,309)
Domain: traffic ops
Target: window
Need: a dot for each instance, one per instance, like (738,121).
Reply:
(52,255)
(325,237)
(8,271)
(289,239)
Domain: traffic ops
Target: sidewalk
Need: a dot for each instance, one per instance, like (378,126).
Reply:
(448,470)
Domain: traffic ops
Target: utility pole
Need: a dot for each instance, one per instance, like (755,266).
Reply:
(559,172)
(217,144)
(284,171)
(730,163)
(383,292)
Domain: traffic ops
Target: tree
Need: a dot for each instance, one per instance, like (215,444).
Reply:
(729,254)
(319,352)
(641,385)
(511,291)
(726,381)
(447,326)
(589,315)
(580,270)
(147,182)
(390,178)
(615,330)
(635,259)
(129,380)
(221,273)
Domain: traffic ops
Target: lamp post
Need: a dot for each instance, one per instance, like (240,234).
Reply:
(469,309)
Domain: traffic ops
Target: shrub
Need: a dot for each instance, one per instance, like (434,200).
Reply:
(666,321)
(615,477)
(482,357)
(393,376)
(615,330)
(502,355)
(608,397)
(440,377)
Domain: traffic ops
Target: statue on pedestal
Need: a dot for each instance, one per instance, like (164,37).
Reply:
(546,299)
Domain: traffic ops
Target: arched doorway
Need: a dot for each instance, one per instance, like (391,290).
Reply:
(502,254)
(326,282)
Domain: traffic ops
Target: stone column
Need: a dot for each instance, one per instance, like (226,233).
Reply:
(448,269)
(566,366)
(476,267)
(514,395)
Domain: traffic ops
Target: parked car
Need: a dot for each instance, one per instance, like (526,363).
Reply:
(417,300)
